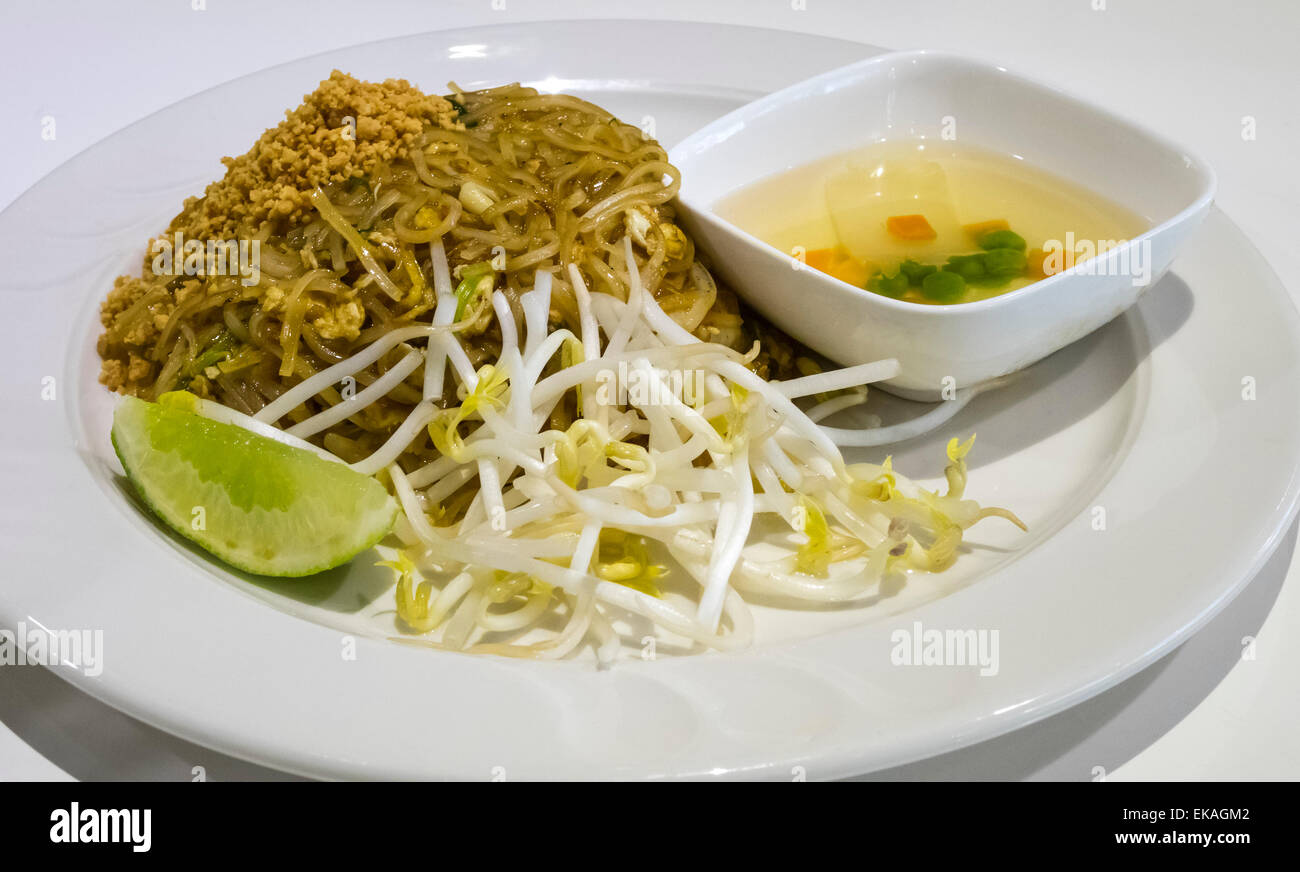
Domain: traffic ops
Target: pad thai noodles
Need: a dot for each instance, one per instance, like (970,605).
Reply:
(485,300)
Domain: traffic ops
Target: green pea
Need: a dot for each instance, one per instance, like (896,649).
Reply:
(1004,262)
(969,266)
(916,272)
(996,239)
(890,286)
(943,286)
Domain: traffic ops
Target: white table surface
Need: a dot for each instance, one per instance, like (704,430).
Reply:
(1190,68)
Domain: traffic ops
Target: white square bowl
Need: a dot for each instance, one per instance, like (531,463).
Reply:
(917,95)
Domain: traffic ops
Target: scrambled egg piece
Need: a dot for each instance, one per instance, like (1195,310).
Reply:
(676,245)
(638,222)
(341,322)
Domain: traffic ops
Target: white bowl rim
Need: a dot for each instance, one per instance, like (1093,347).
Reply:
(1207,176)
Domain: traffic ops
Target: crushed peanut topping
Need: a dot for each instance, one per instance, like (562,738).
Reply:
(343,130)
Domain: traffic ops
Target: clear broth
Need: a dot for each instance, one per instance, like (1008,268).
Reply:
(834,211)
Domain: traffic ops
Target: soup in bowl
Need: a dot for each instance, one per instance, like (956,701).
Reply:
(936,210)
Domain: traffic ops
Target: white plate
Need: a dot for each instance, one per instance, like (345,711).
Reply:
(1145,419)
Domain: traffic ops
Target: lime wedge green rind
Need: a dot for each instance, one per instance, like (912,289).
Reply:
(259,505)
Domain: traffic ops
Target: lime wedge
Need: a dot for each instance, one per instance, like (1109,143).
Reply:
(257,504)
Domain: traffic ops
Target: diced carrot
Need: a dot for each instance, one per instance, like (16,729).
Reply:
(1035,258)
(976,231)
(838,263)
(820,259)
(851,270)
(911,227)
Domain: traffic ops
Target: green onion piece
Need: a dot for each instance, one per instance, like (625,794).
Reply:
(216,351)
(1005,263)
(916,272)
(889,286)
(476,270)
(943,286)
(461,111)
(996,239)
(969,266)
(471,278)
